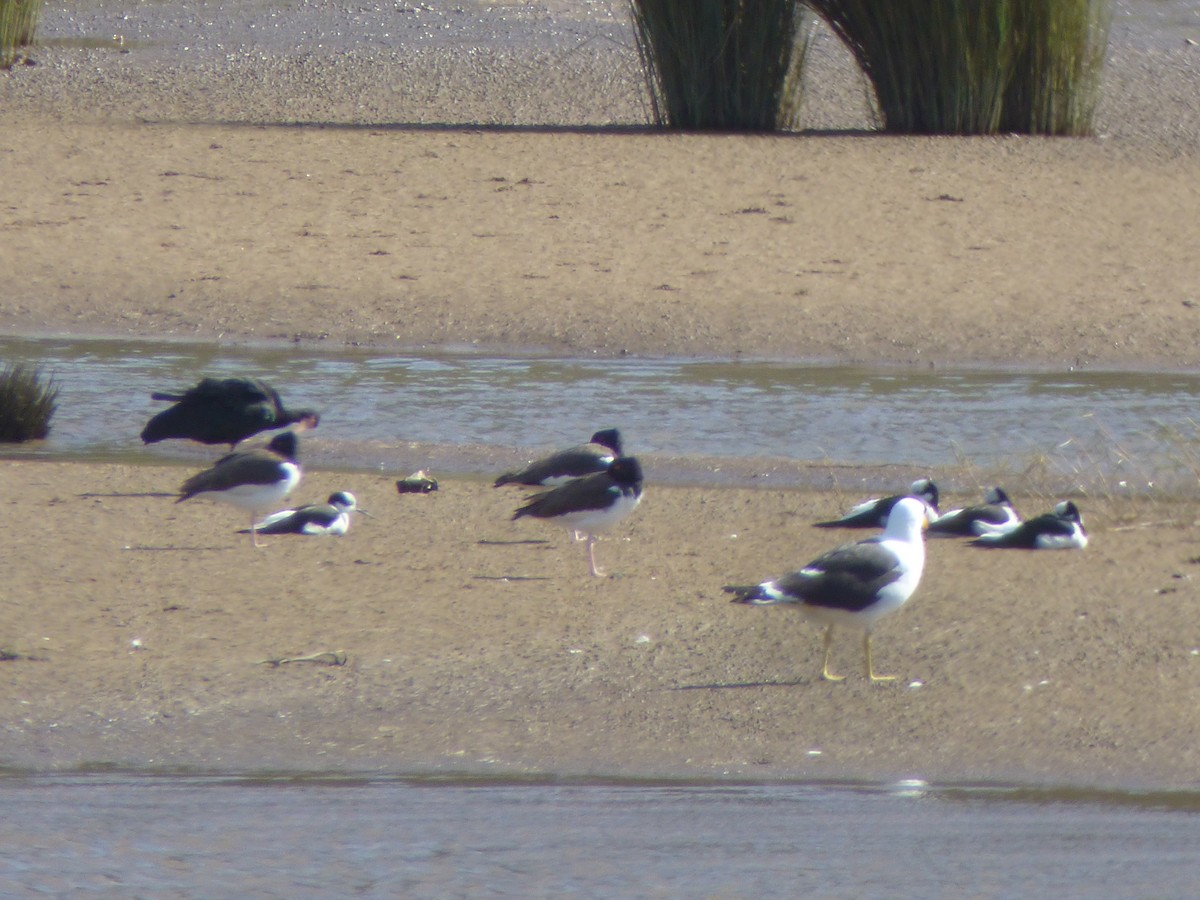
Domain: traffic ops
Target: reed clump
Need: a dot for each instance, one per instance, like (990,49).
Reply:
(1056,67)
(722,64)
(27,404)
(18,23)
(978,66)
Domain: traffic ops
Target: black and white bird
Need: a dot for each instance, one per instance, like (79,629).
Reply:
(1061,529)
(223,411)
(254,480)
(575,462)
(855,585)
(873,513)
(329,518)
(590,504)
(995,515)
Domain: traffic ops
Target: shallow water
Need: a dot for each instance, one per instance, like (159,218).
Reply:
(123,835)
(1156,23)
(1131,426)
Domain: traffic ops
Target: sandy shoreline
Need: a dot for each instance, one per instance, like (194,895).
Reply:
(332,195)
(1016,252)
(475,644)
(434,200)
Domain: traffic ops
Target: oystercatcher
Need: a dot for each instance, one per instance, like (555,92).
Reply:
(594,456)
(996,515)
(873,513)
(254,480)
(592,503)
(1061,529)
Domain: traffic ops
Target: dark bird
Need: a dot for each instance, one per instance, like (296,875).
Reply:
(254,480)
(329,518)
(592,503)
(873,513)
(855,585)
(1061,529)
(223,411)
(994,516)
(586,459)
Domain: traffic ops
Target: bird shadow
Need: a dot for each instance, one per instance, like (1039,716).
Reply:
(92,494)
(728,685)
(146,548)
(512,578)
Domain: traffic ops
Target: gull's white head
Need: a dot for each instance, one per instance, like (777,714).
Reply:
(908,518)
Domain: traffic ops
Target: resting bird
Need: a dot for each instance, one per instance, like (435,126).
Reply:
(254,480)
(594,456)
(329,518)
(995,515)
(873,513)
(1061,529)
(592,503)
(223,411)
(855,585)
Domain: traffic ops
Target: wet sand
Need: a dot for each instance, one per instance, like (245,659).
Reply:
(472,643)
(269,209)
(417,194)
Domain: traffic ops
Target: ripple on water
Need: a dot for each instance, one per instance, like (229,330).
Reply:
(463,412)
(301,836)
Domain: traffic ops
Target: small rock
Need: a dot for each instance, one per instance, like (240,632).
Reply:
(417,483)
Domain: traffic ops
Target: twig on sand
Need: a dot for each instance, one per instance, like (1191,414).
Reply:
(324,658)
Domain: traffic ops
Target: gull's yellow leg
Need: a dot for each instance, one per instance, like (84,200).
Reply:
(870,668)
(825,673)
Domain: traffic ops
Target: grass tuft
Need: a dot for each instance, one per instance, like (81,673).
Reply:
(722,64)
(18,23)
(1056,68)
(978,66)
(27,404)
(1122,489)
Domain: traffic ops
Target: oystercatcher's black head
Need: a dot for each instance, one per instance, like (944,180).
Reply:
(343,500)
(996,496)
(625,471)
(926,490)
(1068,510)
(610,438)
(285,444)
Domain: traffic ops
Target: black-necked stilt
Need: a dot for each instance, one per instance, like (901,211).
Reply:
(254,480)
(995,515)
(592,503)
(586,459)
(329,518)
(1061,529)
(223,411)
(873,513)
(855,585)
